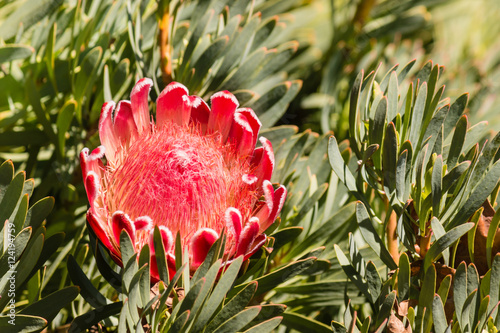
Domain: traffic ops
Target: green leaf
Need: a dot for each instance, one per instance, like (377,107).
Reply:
(234,52)
(373,281)
(12,196)
(494,290)
(417,116)
(371,236)
(428,288)
(85,78)
(392,97)
(27,15)
(460,291)
(20,242)
(351,272)
(466,312)
(22,323)
(438,315)
(272,105)
(234,306)
(324,232)
(238,321)
(354,121)
(265,327)
(159,248)
(454,175)
(12,52)
(377,132)
(87,289)
(339,166)
(216,298)
(478,196)
(275,278)
(401,182)
(63,123)
(207,59)
(91,318)
(38,212)
(386,308)
(389,159)
(310,203)
(444,288)
(444,242)
(196,35)
(404,275)
(304,324)
(456,111)
(457,141)
(437,185)
(49,306)
(180,322)
(482,313)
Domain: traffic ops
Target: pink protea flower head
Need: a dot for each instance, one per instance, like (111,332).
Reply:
(195,171)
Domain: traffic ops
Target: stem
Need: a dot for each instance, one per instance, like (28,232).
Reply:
(165,55)
(363,12)
(392,236)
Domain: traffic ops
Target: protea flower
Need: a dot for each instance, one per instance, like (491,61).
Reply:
(195,172)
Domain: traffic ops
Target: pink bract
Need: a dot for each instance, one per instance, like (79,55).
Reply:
(195,171)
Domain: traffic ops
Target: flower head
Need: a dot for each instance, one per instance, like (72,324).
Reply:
(195,171)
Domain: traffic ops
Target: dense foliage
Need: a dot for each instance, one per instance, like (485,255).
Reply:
(391,218)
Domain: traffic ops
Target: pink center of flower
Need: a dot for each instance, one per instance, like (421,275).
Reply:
(180,179)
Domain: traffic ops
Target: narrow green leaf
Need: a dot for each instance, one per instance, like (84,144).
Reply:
(12,196)
(482,313)
(392,97)
(181,321)
(444,288)
(354,117)
(238,321)
(338,165)
(221,289)
(404,275)
(417,115)
(272,105)
(438,315)
(273,279)
(91,318)
(22,323)
(401,182)
(444,242)
(63,123)
(437,185)
(87,289)
(478,196)
(373,281)
(460,291)
(19,244)
(29,13)
(371,236)
(302,323)
(49,306)
(469,306)
(454,175)
(12,52)
(494,290)
(265,327)
(38,212)
(456,111)
(457,142)
(386,308)
(389,159)
(234,306)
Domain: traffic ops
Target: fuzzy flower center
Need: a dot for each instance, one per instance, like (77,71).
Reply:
(180,179)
